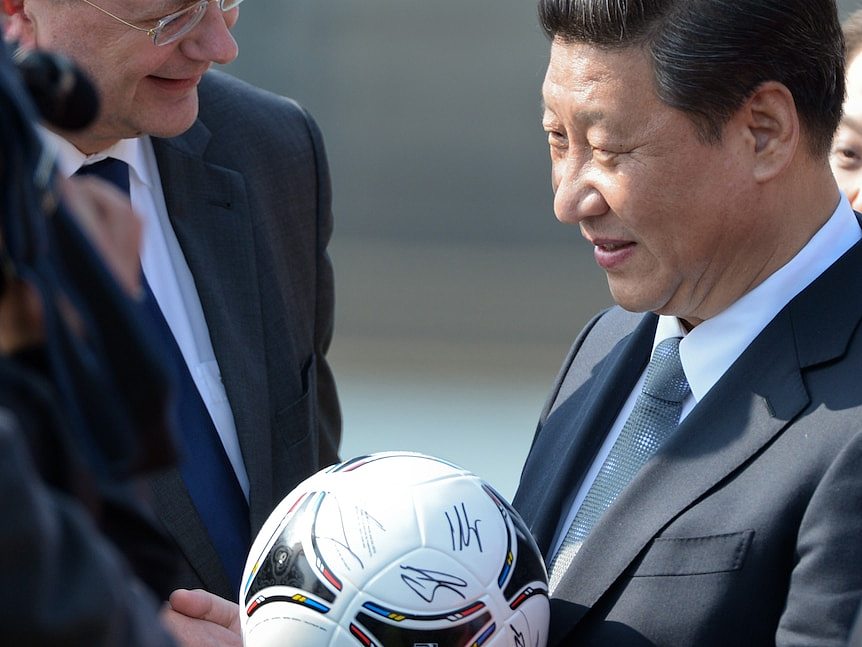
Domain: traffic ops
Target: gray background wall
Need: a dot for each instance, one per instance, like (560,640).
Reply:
(458,293)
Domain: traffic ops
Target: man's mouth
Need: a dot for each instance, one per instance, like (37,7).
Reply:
(610,247)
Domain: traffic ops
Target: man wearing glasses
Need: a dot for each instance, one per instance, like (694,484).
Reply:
(233,187)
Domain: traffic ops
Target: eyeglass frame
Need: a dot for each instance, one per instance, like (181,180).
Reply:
(154,32)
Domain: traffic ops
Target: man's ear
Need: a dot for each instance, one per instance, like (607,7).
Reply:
(771,125)
(18,28)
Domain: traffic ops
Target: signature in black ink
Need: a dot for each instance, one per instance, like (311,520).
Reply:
(343,549)
(520,639)
(342,542)
(467,530)
(426,583)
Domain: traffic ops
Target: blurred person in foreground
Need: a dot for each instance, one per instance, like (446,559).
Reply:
(83,402)
(846,155)
(694,479)
(82,561)
(233,186)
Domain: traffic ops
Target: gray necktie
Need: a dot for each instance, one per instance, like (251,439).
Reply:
(654,417)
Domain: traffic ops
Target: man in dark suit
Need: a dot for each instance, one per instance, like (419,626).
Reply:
(233,186)
(694,479)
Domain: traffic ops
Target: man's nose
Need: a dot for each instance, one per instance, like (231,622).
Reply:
(576,197)
(211,40)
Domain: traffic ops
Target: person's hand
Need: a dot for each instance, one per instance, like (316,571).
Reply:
(200,619)
(114,229)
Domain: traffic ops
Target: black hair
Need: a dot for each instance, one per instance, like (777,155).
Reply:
(709,56)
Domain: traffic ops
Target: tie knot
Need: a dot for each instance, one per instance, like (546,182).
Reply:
(110,169)
(665,378)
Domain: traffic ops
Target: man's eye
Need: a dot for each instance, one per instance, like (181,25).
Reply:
(556,138)
(605,155)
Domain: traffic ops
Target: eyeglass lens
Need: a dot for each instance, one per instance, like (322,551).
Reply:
(180,23)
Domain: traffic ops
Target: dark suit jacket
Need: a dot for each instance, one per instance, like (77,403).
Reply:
(248,195)
(746,527)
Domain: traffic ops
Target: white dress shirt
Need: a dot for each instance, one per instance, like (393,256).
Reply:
(169,277)
(708,351)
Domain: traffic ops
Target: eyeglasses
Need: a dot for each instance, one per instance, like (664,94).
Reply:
(176,25)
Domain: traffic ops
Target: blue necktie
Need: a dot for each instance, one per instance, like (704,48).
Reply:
(204,465)
(654,417)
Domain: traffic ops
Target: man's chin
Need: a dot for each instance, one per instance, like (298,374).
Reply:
(169,127)
(629,297)
(169,119)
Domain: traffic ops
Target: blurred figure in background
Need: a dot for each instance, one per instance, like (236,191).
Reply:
(846,155)
(233,185)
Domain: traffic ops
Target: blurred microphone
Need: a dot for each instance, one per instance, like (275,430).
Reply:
(64,96)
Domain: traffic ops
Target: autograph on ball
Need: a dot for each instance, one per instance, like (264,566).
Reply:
(467,530)
(426,583)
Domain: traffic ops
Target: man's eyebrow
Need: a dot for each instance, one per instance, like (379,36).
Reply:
(583,116)
(167,7)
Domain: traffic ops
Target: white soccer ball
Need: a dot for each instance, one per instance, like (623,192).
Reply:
(394,549)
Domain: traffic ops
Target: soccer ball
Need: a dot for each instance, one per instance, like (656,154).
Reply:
(394,549)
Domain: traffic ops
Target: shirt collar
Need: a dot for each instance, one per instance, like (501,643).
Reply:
(714,345)
(70,159)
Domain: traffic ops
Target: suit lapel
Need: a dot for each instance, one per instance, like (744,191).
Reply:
(709,445)
(754,401)
(568,441)
(209,212)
